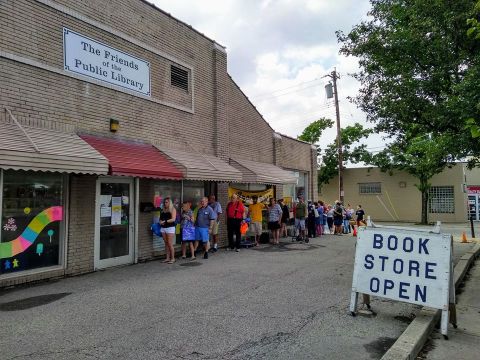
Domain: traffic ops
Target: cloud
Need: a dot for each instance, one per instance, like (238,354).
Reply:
(279,52)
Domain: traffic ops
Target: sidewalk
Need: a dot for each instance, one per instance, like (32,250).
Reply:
(456,229)
(463,343)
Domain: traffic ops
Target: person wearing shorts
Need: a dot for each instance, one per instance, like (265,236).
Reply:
(188,230)
(360,213)
(255,214)
(217,208)
(167,223)
(274,220)
(300,215)
(204,224)
(285,217)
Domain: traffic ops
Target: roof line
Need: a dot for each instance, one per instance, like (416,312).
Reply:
(250,102)
(292,138)
(181,22)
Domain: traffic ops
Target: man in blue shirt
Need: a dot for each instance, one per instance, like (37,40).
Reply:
(204,224)
(217,208)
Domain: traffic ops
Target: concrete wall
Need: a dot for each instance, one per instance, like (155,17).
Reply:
(399,195)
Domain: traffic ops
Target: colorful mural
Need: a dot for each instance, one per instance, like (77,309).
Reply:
(31,232)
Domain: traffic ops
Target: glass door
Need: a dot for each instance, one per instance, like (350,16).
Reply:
(473,207)
(114,222)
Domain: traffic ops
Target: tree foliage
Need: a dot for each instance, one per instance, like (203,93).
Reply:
(412,54)
(415,57)
(469,102)
(314,130)
(353,152)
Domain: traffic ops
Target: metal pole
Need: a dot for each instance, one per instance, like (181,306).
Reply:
(471,227)
(339,138)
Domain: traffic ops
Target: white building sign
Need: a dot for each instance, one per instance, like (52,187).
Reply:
(91,58)
(405,265)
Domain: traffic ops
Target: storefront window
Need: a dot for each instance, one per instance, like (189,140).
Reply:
(289,194)
(190,191)
(193,191)
(31,220)
(302,186)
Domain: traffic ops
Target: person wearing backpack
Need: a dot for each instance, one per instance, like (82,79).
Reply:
(235,213)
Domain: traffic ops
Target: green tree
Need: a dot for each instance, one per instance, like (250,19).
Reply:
(353,152)
(469,102)
(423,157)
(414,56)
(314,130)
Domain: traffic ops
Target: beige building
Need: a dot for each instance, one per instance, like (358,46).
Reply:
(106,108)
(455,193)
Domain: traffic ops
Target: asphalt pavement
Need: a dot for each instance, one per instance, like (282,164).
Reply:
(272,302)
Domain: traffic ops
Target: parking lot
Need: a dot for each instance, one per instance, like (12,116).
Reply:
(284,302)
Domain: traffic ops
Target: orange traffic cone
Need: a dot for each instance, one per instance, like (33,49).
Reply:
(464,237)
(354,231)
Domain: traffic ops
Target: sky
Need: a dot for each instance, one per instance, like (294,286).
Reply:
(279,52)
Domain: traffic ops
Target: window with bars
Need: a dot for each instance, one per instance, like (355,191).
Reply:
(441,200)
(179,77)
(370,188)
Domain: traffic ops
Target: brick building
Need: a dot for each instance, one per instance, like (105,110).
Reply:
(106,108)
(454,195)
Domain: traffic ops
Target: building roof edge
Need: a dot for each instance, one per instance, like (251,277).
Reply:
(181,22)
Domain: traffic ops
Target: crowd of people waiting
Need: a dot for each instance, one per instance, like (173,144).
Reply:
(198,226)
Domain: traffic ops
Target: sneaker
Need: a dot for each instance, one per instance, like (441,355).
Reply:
(205,256)
(214,250)
(237,250)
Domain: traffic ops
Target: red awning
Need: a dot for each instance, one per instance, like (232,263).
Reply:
(127,158)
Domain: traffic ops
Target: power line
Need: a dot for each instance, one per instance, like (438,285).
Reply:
(289,87)
(290,92)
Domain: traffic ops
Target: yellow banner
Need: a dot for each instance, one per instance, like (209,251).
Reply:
(246,196)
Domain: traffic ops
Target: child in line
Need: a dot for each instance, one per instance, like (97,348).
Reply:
(188,230)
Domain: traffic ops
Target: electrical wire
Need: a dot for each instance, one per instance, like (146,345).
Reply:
(287,93)
(289,87)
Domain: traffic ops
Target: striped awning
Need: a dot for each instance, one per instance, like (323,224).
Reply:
(262,173)
(197,166)
(136,159)
(41,149)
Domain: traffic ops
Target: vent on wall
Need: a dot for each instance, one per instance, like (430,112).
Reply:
(179,77)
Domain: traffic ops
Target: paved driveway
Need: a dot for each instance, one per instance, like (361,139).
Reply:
(288,302)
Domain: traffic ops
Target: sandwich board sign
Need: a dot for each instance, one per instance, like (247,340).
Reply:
(405,264)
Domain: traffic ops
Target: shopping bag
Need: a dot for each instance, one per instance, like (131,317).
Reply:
(156,229)
(243,228)
(188,233)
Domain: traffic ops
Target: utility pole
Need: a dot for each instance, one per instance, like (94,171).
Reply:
(334,76)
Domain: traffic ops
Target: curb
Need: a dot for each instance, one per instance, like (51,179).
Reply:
(409,344)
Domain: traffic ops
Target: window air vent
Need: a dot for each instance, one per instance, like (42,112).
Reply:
(179,78)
